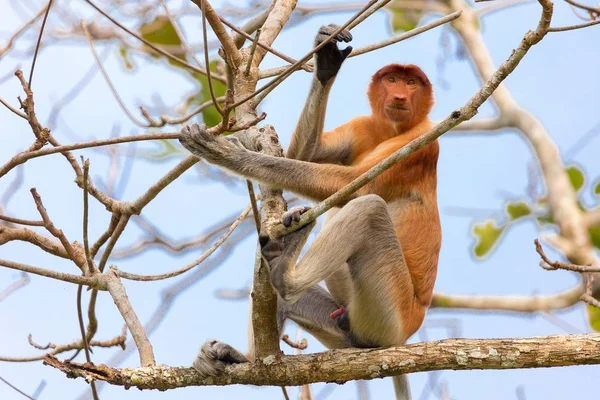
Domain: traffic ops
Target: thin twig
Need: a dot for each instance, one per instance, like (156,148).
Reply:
(204,256)
(550,265)
(252,51)
(232,54)
(207,61)
(112,88)
(25,156)
(573,27)
(12,109)
(22,282)
(180,34)
(16,389)
(113,240)
(75,345)
(153,47)
(39,41)
(84,339)
(21,221)
(289,70)
(594,10)
(86,244)
(94,281)
(57,233)
(255,212)
(21,30)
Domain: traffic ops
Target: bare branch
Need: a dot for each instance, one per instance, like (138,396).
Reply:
(20,31)
(39,41)
(12,109)
(375,46)
(194,263)
(365,364)
(549,265)
(95,281)
(573,27)
(16,389)
(75,345)
(523,304)
(153,47)
(231,52)
(22,282)
(112,88)
(117,291)
(21,221)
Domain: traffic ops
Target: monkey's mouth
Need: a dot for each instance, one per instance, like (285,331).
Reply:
(397,108)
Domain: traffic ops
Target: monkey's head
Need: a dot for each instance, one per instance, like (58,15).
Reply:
(401,93)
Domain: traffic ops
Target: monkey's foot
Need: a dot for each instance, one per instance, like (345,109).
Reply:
(282,253)
(214,356)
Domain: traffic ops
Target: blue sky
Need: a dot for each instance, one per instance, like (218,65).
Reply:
(557,81)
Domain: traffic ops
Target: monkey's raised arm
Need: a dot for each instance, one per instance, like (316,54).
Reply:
(306,142)
(317,181)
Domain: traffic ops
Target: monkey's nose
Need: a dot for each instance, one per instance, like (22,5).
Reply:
(399,99)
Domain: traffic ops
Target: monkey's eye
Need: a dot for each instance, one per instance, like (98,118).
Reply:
(391,79)
(411,82)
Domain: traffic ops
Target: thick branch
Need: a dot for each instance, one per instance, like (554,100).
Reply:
(515,303)
(349,364)
(117,291)
(278,17)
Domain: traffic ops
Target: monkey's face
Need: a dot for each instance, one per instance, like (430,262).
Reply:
(401,95)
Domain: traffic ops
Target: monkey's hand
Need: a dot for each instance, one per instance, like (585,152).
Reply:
(282,253)
(214,356)
(215,149)
(330,58)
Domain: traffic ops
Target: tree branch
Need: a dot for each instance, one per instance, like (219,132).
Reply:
(231,51)
(351,364)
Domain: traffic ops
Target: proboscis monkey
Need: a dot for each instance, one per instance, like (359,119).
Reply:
(378,253)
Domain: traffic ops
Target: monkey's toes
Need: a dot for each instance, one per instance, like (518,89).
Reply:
(343,36)
(293,215)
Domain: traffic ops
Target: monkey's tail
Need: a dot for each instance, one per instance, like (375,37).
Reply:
(401,387)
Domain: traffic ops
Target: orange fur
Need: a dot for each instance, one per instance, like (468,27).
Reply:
(412,182)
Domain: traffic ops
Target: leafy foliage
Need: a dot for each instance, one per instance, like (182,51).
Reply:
(594,317)
(404,20)
(487,235)
(576,177)
(518,210)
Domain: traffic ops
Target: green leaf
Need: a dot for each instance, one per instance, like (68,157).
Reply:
(545,219)
(517,210)
(594,317)
(594,233)
(597,188)
(486,237)
(160,31)
(167,149)
(576,177)
(404,20)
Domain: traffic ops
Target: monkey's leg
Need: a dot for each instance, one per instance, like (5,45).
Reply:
(362,235)
(312,312)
